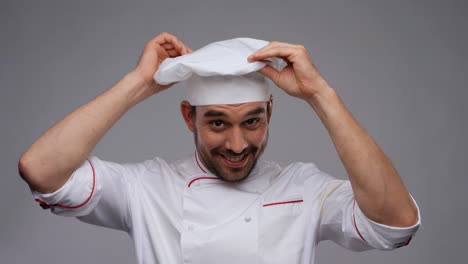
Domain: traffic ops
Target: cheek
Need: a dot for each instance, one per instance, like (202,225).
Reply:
(257,137)
(210,140)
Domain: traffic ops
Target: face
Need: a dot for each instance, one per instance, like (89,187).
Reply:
(230,138)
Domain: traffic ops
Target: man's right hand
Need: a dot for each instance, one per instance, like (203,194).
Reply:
(163,46)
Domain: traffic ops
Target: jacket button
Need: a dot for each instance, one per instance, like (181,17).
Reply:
(247,219)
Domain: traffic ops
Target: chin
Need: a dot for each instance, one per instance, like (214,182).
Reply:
(236,174)
(229,177)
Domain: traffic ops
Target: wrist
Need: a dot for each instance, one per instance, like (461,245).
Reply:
(137,78)
(326,103)
(136,88)
(325,93)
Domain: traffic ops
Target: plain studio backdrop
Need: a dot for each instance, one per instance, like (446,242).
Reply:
(400,66)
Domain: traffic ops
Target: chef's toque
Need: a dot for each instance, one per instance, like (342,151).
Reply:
(219,73)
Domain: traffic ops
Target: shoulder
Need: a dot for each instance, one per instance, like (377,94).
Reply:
(302,174)
(149,165)
(268,167)
(302,181)
(135,170)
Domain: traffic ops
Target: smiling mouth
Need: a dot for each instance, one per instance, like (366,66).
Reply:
(235,161)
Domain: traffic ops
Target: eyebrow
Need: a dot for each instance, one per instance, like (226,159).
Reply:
(214,113)
(256,111)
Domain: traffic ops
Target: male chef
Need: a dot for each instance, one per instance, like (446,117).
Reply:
(223,204)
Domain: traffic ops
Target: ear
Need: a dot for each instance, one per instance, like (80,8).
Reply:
(270,107)
(187,114)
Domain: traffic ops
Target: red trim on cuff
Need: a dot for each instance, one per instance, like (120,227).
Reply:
(201,178)
(354,220)
(406,243)
(42,203)
(285,202)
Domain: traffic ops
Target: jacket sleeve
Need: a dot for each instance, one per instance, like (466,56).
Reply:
(98,192)
(342,221)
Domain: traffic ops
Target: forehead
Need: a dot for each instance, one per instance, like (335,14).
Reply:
(231,109)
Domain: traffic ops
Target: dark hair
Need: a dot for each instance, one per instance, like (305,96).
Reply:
(193,109)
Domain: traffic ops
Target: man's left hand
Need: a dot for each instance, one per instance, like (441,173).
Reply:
(300,78)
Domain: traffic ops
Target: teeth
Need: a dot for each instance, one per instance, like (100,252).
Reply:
(235,159)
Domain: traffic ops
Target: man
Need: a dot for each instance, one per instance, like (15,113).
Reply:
(223,204)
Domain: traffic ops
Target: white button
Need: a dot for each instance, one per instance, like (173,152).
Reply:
(247,219)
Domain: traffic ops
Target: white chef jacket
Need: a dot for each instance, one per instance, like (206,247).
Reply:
(181,213)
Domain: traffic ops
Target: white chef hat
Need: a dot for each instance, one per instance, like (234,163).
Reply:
(219,73)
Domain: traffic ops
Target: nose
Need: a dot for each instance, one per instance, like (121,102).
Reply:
(236,141)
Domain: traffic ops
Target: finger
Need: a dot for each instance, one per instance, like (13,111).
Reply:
(182,49)
(276,49)
(272,45)
(173,53)
(272,51)
(166,38)
(285,52)
(270,72)
(160,41)
(187,50)
(167,46)
(169,41)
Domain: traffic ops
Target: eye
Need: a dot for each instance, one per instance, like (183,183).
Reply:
(252,122)
(217,123)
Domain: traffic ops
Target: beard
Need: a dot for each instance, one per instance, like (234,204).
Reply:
(213,160)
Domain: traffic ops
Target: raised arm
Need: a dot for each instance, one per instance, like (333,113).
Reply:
(377,186)
(51,159)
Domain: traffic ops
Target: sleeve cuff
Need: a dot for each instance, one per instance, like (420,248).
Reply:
(74,196)
(383,236)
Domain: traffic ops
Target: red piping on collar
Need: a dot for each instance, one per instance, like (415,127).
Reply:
(198,163)
(201,178)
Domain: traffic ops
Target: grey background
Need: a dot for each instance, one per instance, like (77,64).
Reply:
(400,66)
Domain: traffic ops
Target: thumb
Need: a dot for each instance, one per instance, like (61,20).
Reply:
(270,72)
